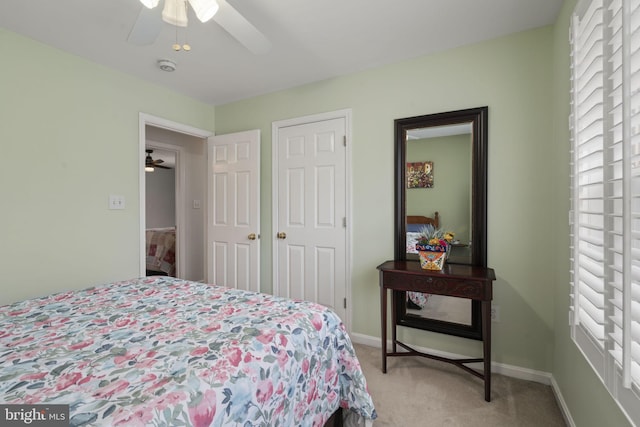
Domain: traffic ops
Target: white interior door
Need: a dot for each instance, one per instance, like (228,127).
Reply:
(311,212)
(233,247)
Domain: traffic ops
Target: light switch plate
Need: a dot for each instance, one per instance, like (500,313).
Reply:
(116,202)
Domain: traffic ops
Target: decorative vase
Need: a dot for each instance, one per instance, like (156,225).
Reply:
(432,257)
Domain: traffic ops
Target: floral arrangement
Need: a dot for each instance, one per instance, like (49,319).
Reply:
(434,239)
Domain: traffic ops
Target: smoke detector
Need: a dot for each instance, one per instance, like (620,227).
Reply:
(166,65)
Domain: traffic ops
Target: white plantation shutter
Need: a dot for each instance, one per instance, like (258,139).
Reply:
(632,323)
(588,177)
(605,190)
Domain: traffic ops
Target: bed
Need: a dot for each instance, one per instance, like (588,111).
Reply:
(415,224)
(163,351)
(161,251)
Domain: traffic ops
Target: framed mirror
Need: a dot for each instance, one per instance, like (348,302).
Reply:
(441,178)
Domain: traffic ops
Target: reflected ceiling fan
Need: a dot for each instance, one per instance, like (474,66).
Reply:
(150,164)
(149,22)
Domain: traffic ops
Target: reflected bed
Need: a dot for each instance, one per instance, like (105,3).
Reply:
(160,251)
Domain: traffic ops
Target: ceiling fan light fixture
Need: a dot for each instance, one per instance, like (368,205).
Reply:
(175,12)
(204,9)
(150,3)
(150,165)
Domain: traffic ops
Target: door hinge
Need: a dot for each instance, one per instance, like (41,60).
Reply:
(344,222)
(345,303)
(344,140)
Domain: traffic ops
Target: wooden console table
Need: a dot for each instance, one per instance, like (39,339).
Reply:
(454,280)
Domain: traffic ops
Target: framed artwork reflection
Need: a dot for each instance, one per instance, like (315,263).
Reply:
(420,175)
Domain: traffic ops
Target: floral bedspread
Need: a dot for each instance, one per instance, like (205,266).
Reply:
(412,239)
(166,352)
(418,299)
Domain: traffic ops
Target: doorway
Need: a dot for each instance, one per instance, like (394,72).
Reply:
(162,216)
(190,147)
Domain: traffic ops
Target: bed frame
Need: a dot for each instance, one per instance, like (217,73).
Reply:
(418,219)
(335,420)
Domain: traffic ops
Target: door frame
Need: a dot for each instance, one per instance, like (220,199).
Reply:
(275,129)
(145,119)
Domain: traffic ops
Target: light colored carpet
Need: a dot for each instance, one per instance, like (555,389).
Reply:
(417,391)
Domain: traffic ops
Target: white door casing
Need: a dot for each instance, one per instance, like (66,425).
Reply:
(233,223)
(311,248)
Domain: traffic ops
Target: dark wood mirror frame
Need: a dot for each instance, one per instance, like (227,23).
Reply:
(478,118)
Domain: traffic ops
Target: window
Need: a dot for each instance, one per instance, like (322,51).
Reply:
(605,193)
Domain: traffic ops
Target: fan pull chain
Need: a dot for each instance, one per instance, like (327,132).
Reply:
(186,46)
(176,45)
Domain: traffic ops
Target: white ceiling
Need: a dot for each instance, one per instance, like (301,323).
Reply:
(311,40)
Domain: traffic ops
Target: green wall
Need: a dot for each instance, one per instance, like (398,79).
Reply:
(69,139)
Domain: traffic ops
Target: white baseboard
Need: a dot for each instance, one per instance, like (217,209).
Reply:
(498,368)
(561,403)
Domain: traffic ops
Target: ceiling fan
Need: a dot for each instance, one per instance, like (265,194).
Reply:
(149,163)
(149,22)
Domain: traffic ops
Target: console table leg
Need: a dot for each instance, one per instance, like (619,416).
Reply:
(486,345)
(394,329)
(383,316)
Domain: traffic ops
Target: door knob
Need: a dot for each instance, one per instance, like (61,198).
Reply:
(282,235)
(252,236)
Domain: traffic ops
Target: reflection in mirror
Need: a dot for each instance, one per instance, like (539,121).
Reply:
(439,307)
(441,178)
(446,153)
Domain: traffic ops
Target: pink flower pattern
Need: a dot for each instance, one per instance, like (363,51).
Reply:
(201,415)
(164,351)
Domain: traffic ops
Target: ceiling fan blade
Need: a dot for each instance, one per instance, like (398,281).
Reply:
(161,167)
(158,161)
(241,29)
(147,27)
